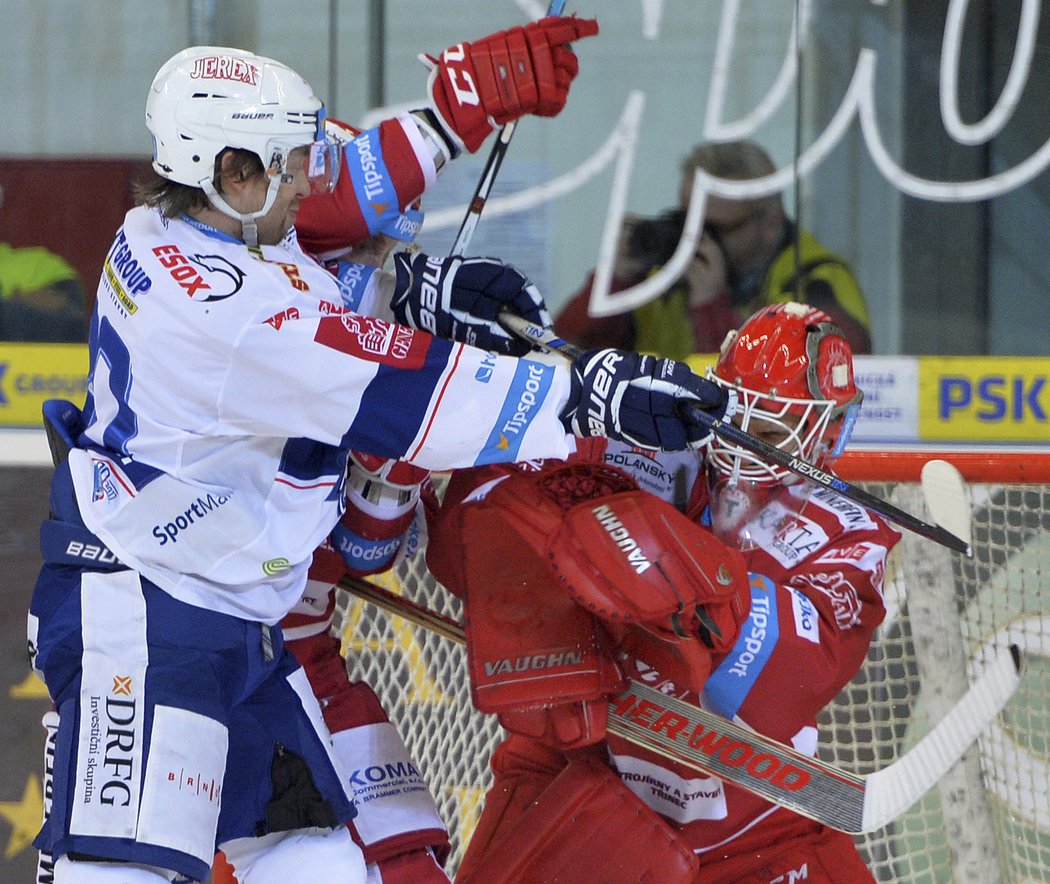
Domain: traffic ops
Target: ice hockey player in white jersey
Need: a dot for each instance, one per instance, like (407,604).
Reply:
(228,383)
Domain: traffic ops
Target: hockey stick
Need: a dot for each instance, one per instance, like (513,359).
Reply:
(696,738)
(488,174)
(932,601)
(547,340)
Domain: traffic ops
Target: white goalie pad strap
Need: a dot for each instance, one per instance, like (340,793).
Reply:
(388,790)
(683,799)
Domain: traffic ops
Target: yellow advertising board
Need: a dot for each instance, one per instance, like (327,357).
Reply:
(984,398)
(980,399)
(32,373)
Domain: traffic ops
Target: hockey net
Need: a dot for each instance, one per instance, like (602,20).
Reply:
(991,812)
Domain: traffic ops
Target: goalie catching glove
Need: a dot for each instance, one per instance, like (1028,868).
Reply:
(633,559)
(637,399)
(477,86)
(459,298)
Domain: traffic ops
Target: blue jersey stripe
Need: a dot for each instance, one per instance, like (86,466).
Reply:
(732,681)
(531,384)
(396,403)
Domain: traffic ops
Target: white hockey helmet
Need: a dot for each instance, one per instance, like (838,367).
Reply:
(208,98)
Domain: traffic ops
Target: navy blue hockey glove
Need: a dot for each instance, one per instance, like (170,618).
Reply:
(459,298)
(637,399)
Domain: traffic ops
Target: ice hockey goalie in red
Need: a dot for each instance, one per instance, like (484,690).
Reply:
(726,581)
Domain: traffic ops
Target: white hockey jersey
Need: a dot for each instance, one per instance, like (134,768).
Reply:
(227,386)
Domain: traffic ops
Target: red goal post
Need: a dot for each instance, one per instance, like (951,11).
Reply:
(964,609)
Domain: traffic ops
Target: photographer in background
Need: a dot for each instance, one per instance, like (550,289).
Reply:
(750,255)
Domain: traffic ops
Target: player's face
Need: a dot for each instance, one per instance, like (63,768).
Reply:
(772,432)
(279,220)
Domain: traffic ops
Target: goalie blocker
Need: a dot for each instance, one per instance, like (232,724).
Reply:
(593,559)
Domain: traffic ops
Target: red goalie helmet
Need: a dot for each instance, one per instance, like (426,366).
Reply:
(792,371)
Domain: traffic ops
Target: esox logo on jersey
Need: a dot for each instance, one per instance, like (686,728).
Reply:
(373,339)
(202,277)
(807,623)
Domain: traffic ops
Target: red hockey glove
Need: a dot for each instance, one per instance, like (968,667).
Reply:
(476,86)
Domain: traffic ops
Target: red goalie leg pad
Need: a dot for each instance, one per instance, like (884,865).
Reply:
(581,825)
(562,725)
(535,657)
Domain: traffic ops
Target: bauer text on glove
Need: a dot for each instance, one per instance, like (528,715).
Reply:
(460,298)
(635,399)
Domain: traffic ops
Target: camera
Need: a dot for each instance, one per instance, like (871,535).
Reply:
(654,240)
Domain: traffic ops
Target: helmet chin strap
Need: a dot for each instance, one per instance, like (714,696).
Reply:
(249,228)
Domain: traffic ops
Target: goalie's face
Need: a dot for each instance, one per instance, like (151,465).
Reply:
(751,499)
(804,428)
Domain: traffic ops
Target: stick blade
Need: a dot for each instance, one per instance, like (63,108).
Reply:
(894,789)
(947,499)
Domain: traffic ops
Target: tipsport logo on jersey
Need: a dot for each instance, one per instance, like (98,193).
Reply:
(532,382)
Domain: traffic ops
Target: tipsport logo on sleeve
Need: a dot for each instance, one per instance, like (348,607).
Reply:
(32,373)
(984,399)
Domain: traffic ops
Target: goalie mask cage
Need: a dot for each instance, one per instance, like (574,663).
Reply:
(987,820)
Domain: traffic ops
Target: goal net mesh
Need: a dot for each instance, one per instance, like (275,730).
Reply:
(991,812)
